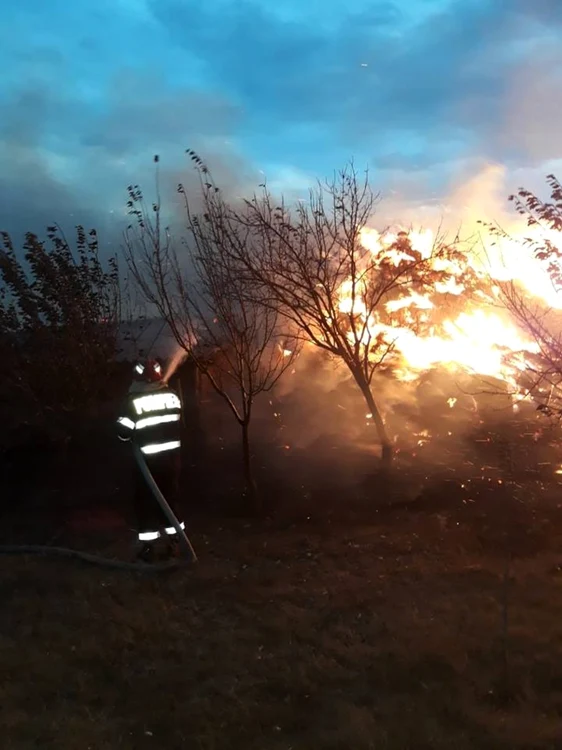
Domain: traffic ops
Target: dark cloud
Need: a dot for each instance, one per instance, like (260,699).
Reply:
(88,94)
(143,109)
(362,79)
(100,153)
(248,84)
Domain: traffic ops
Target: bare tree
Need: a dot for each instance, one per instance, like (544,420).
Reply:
(541,371)
(309,264)
(234,339)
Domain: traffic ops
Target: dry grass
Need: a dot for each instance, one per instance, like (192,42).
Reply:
(381,633)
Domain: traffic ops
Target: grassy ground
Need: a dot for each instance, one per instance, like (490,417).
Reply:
(380,630)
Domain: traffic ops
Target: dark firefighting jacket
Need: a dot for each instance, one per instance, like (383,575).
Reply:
(150,417)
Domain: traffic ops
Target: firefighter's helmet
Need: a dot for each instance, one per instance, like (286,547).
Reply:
(148,371)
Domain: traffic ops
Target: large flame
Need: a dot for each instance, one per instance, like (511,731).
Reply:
(479,338)
(508,259)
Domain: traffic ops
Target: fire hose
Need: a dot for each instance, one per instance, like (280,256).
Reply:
(163,503)
(107,562)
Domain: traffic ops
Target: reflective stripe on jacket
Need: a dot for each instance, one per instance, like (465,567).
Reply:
(152,419)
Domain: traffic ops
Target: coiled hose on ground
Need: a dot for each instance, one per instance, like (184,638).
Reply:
(189,555)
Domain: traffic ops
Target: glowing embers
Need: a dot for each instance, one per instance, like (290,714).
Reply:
(154,421)
(153,448)
(157,402)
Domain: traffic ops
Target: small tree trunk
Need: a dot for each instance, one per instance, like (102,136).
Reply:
(386,445)
(193,434)
(191,411)
(249,481)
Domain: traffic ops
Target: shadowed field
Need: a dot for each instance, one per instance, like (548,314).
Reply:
(380,629)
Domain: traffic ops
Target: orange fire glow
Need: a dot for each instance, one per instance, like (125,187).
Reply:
(476,339)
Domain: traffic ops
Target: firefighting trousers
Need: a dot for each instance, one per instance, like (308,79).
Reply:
(151,519)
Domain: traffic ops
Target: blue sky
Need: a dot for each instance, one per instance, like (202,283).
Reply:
(423,92)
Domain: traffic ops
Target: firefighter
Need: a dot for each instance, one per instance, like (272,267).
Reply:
(151,418)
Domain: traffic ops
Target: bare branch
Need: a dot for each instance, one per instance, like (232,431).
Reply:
(313,266)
